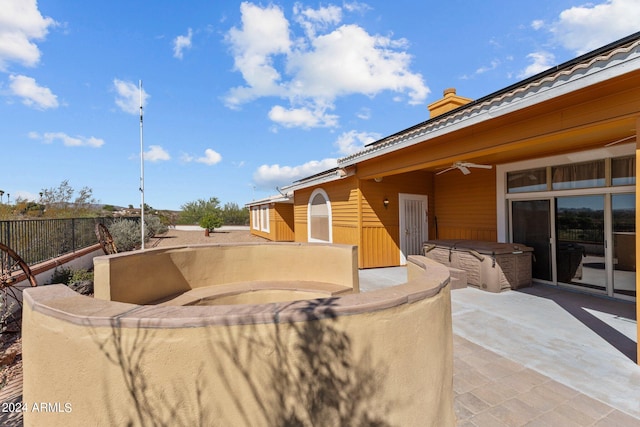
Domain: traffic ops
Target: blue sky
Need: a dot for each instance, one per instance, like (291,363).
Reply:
(242,97)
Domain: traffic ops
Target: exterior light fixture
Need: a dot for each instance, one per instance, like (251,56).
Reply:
(385,202)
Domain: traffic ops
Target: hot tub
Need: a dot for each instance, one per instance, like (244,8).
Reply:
(491,266)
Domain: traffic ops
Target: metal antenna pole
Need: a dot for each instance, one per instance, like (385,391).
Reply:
(141,174)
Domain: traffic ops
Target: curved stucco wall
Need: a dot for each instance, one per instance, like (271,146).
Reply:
(148,276)
(383,356)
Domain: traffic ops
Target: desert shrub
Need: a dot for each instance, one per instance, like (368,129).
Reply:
(154,226)
(126,234)
(211,221)
(193,212)
(81,275)
(61,275)
(67,276)
(9,312)
(232,214)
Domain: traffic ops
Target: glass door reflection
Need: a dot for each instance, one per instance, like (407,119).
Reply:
(580,249)
(532,227)
(624,243)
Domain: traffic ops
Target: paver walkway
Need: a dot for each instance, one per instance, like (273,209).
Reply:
(493,391)
(541,356)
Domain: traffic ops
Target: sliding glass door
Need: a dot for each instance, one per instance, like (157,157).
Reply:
(532,227)
(578,213)
(580,242)
(623,208)
(585,241)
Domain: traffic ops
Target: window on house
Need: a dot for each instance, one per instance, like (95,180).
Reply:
(319,213)
(527,180)
(578,175)
(255,217)
(264,220)
(623,170)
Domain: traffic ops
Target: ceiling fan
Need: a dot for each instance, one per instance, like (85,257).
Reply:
(464,167)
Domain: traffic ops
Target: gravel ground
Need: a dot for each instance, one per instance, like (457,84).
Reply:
(185,237)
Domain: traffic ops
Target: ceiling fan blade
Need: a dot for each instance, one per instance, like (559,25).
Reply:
(476,165)
(620,140)
(445,170)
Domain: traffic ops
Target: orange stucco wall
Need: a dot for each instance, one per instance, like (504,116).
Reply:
(343,196)
(280,223)
(359,216)
(465,205)
(281,217)
(380,242)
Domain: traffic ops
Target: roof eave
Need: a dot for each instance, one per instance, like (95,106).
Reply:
(561,80)
(331,175)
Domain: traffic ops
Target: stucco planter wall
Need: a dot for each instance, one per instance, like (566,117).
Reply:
(153,275)
(383,356)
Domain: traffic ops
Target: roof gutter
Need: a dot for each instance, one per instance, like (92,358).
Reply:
(321,178)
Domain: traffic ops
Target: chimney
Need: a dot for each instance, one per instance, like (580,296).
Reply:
(450,101)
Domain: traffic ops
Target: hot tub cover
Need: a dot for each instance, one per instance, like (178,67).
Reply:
(480,246)
(491,266)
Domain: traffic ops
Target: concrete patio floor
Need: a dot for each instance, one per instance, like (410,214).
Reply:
(540,356)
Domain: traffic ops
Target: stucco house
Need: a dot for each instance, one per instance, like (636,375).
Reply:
(272,218)
(549,162)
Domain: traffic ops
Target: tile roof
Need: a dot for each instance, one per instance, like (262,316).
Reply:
(522,94)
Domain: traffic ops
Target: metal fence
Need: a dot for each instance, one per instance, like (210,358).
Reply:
(582,235)
(39,240)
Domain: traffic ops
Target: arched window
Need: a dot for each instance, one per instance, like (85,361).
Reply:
(319,217)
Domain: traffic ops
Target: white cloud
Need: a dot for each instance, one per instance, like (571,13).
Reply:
(350,61)
(156,153)
(181,43)
(68,141)
(351,142)
(587,27)
(210,157)
(313,20)
(21,23)
(356,6)
(128,96)
(537,24)
(265,32)
(32,95)
(541,61)
(302,117)
(364,113)
(492,66)
(313,70)
(272,176)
